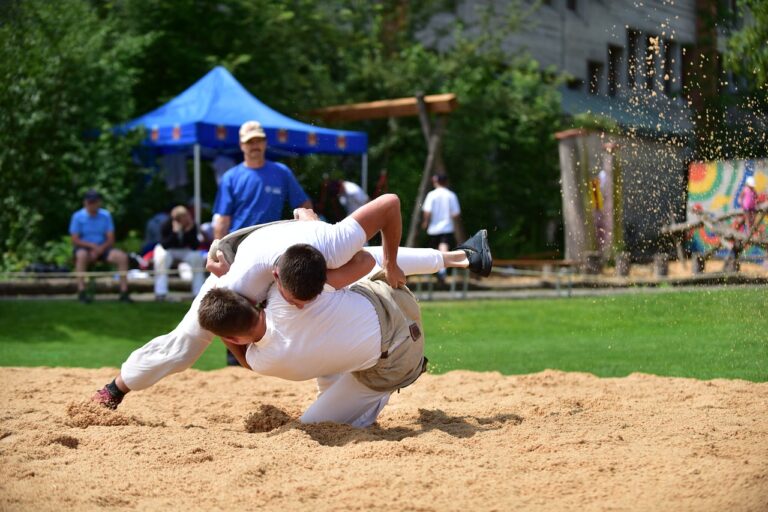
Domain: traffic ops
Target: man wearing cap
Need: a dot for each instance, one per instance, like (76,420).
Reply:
(93,234)
(255,191)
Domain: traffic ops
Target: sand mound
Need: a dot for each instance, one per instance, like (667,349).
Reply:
(268,418)
(231,440)
(86,413)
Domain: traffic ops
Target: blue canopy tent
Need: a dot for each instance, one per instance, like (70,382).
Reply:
(210,112)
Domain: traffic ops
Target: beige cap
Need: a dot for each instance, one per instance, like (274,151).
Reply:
(250,130)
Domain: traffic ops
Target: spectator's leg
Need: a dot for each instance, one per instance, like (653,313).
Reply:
(82,259)
(161,262)
(196,260)
(120,259)
(443,247)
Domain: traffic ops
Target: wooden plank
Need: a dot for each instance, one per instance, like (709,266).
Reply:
(683,226)
(534,263)
(400,107)
(573,132)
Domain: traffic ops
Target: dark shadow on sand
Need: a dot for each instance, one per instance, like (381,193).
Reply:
(334,434)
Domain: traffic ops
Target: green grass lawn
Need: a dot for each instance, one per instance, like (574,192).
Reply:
(705,334)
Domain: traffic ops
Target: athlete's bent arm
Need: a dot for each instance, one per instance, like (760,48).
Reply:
(383,214)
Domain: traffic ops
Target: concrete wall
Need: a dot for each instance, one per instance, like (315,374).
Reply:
(570,39)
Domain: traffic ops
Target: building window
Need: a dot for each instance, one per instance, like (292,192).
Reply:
(651,53)
(572,5)
(669,68)
(722,75)
(632,63)
(595,74)
(615,56)
(687,69)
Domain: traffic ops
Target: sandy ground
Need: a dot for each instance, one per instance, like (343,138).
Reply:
(228,440)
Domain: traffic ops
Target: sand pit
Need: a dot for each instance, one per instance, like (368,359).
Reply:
(229,440)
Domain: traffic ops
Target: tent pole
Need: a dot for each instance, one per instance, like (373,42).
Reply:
(364,173)
(197,184)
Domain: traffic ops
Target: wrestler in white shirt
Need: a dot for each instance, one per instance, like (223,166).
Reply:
(250,274)
(327,338)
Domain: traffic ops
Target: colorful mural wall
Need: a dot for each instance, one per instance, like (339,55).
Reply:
(716,188)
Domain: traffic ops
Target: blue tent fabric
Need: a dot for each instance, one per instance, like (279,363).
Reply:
(211,111)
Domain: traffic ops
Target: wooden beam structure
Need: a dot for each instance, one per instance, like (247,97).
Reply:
(400,107)
(419,105)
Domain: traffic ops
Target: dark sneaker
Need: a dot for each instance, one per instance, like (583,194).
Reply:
(84,297)
(105,398)
(478,253)
(125,297)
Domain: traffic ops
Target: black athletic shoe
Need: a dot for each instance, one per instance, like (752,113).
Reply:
(478,253)
(125,297)
(84,297)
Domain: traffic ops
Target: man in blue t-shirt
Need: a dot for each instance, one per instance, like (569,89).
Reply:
(93,234)
(255,191)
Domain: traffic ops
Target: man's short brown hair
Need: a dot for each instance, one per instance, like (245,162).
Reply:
(302,271)
(227,313)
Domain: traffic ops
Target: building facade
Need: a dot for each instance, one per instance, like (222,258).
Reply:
(630,60)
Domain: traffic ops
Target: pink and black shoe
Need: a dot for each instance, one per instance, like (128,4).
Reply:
(105,398)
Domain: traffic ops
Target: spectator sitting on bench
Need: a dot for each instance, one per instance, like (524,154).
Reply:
(93,235)
(179,241)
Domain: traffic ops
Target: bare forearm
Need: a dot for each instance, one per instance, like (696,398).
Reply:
(383,214)
(239,352)
(221,226)
(391,233)
(82,243)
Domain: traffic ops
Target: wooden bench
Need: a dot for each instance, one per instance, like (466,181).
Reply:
(535,263)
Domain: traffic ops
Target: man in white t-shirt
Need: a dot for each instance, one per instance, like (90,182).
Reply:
(251,274)
(360,342)
(442,215)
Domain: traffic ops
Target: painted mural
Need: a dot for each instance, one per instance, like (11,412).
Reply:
(718,189)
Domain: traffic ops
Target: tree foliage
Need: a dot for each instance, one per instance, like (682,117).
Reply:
(67,79)
(75,67)
(498,147)
(747,51)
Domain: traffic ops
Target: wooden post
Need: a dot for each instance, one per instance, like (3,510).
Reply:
(439,104)
(426,128)
(433,137)
(413,229)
